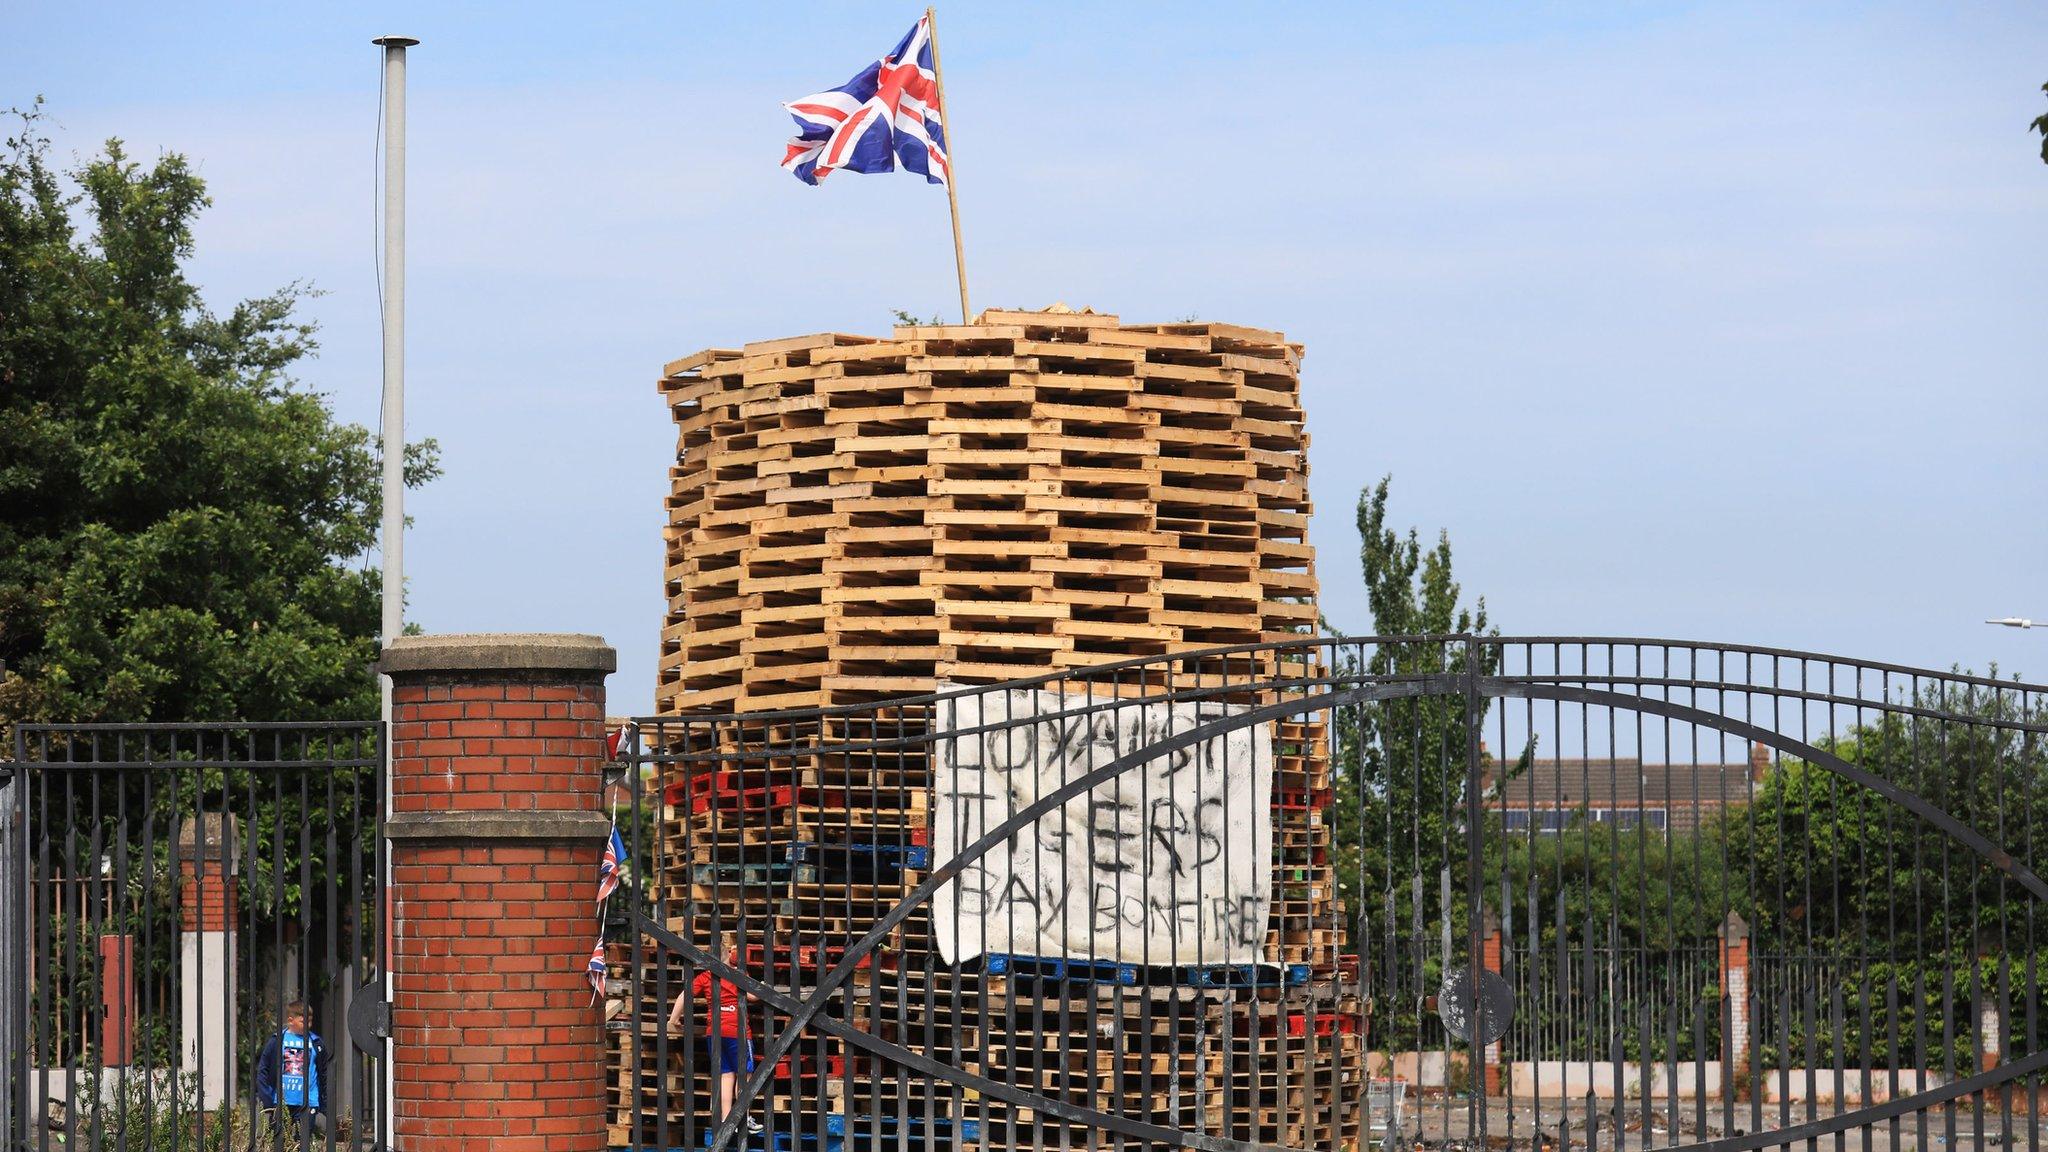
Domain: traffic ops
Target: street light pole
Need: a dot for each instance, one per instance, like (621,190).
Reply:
(392,541)
(2019,622)
(392,538)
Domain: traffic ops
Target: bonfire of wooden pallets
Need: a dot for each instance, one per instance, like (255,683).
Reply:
(855,520)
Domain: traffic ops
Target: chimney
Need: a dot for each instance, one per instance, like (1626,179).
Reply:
(1759,762)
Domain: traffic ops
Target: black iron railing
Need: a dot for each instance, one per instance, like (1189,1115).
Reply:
(1220,899)
(171,892)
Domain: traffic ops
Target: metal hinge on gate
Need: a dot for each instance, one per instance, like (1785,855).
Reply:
(369,1018)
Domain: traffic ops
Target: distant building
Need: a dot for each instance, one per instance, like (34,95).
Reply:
(1554,793)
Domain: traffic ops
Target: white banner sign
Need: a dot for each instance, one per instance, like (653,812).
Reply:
(1169,863)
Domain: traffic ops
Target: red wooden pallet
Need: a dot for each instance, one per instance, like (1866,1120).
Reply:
(805,956)
(744,800)
(1345,968)
(1304,800)
(725,781)
(804,1066)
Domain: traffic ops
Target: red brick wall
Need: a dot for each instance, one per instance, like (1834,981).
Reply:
(1490,959)
(493,747)
(496,1043)
(206,899)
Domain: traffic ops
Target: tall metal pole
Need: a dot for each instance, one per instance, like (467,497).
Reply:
(393,535)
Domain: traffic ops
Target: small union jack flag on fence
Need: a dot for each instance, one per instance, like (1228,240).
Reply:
(889,111)
(613,864)
(621,743)
(596,970)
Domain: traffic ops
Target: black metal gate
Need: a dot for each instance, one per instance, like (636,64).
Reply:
(1468,891)
(170,891)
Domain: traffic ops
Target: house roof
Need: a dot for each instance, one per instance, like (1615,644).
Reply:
(1621,782)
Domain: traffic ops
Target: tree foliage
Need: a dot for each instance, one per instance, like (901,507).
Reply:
(1834,867)
(183,529)
(2041,126)
(1400,846)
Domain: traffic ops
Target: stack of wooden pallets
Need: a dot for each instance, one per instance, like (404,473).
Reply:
(856,520)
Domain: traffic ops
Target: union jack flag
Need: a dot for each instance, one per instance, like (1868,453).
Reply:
(596,970)
(622,743)
(889,111)
(609,868)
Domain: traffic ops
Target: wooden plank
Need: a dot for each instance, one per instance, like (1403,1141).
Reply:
(955,610)
(982,329)
(865,353)
(941,580)
(887,594)
(696,360)
(799,343)
(1078,385)
(1080,353)
(972,364)
(1140,338)
(1064,318)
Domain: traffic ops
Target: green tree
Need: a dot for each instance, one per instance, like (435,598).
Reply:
(183,528)
(184,535)
(1399,766)
(1891,908)
(2041,126)
(1836,867)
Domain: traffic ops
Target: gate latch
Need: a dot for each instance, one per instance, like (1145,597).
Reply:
(369,1018)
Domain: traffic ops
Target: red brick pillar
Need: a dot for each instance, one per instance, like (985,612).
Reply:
(1735,993)
(496,829)
(207,848)
(117,1000)
(1489,957)
(1990,1020)
(207,954)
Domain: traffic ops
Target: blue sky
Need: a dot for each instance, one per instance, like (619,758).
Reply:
(1701,321)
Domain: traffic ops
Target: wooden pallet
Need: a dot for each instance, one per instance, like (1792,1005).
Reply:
(852,519)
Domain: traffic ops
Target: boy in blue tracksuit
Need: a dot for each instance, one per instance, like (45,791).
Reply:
(291,1071)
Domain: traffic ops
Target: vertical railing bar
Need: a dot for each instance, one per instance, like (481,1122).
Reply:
(74,1022)
(2032,1088)
(95,929)
(1836,1010)
(649,869)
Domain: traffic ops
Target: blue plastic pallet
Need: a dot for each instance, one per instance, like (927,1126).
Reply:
(837,1125)
(755,873)
(913,856)
(1239,975)
(773,1140)
(1060,968)
(805,1137)
(941,1127)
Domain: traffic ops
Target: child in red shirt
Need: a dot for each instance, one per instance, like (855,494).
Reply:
(726,1033)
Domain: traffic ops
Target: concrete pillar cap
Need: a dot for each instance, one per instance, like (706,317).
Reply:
(499,652)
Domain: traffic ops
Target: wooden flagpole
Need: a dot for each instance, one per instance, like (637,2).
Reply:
(952,172)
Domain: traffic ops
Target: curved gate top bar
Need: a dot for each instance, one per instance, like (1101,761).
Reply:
(1308,645)
(1300,690)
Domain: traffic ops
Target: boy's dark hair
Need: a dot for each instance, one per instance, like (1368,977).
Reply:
(297,1008)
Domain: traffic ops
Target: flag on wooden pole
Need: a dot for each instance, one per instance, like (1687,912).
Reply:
(893,109)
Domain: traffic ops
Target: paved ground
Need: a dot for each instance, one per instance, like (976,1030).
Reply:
(1451,1126)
